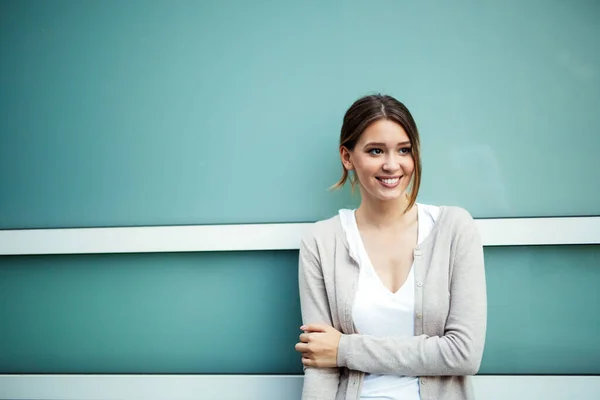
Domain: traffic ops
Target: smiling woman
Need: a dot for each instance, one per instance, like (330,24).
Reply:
(393,292)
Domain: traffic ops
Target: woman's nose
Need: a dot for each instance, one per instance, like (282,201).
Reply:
(391,163)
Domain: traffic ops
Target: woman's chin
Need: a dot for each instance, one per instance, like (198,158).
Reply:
(390,196)
(385,194)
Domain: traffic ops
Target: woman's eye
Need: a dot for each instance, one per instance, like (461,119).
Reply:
(375,151)
(405,150)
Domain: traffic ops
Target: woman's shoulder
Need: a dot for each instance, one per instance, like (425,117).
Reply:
(323,230)
(456,223)
(456,213)
(449,216)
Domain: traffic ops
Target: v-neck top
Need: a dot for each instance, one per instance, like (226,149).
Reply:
(379,312)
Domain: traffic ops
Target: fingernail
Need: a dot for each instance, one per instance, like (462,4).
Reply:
(303,327)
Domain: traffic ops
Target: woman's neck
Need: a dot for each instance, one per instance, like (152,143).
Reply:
(384,214)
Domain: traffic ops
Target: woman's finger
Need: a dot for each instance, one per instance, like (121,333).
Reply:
(307,362)
(304,337)
(315,328)
(301,347)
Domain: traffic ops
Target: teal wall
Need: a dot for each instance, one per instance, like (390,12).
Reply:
(239,312)
(166,113)
(136,113)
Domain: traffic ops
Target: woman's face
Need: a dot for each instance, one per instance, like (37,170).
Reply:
(382,161)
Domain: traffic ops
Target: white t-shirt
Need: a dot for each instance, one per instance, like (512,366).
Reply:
(379,312)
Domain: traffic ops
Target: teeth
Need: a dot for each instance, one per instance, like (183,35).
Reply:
(390,181)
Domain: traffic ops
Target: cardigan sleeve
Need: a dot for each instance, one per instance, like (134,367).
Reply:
(319,383)
(459,350)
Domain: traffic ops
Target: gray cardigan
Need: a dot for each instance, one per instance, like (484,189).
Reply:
(450,312)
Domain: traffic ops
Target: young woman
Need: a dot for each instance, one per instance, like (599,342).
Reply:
(393,294)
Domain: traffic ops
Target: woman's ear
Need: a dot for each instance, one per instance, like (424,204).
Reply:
(346,157)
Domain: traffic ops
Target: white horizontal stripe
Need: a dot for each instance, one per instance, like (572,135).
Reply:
(154,239)
(260,387)
(495,232)
(539,231)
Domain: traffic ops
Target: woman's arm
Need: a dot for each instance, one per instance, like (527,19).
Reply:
(319,383)
(458,351)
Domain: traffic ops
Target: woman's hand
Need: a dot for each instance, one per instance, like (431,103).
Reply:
(319,345)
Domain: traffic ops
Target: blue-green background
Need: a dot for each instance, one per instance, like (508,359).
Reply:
(239,312)
(156,112)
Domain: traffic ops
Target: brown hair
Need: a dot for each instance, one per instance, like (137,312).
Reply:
(362,114)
